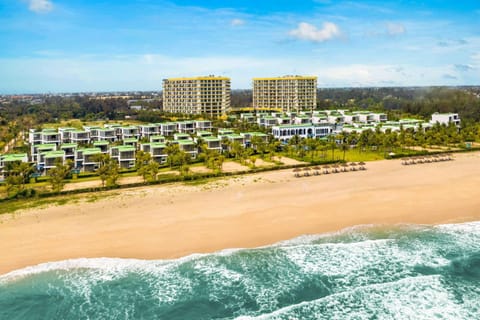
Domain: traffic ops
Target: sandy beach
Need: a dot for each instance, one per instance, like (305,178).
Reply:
(247,211)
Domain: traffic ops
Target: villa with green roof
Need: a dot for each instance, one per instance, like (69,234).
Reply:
(203,125)
(85,159)
(103,145)
(157,138)
(188,146)
(168,128)
(213,143)
(70,150)
(186,126)
(80,137)
(48,160)
(156,150)
(125,156)
(150,129)
(7,159)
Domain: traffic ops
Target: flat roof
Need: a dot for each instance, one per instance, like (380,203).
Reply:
(54,154)
(234,136)
(13,157)
(124,148)
(212,139)
(184,142)
(157,145)
(285,126)
(201,78)
(46,146)
(288,78)
(91,151)
(258,134)
(100,143)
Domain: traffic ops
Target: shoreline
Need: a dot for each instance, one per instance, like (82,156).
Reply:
(172,221)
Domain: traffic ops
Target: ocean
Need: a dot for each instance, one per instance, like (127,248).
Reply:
(366,272)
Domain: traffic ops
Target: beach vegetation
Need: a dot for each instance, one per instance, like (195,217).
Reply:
(59,173)
(17,176)
(108,170)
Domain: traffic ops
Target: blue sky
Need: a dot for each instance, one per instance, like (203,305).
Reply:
(65,46)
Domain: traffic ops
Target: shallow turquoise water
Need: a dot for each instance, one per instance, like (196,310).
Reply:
(406,272)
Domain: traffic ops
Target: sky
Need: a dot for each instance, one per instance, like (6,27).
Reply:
(76,46)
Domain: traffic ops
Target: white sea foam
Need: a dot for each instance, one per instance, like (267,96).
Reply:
(411,298)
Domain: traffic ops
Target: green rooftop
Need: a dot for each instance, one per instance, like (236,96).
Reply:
(13,157)
(124,148)
(46,146)
(211,139)
(157,145)
(293,126)
(234,136)
(91,151)
(54,154)
(257,134)
(101,143)
(184,142)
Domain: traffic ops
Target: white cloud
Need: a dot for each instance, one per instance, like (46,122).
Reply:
(237,22)
(463,67)
(40,6)
(309,32)
(146,71)
(395,29)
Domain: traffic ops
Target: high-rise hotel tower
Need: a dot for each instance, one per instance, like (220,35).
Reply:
(288,93)
(199,95)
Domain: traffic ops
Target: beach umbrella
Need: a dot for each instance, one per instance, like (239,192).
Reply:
(317,170)
(345,166)
(335,168)
(325,169)
(353,166)
(296,171)
(362,165)
(307,171)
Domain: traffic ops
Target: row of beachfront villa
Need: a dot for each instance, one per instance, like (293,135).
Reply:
(121,142)
(319,124)
(333,117)
(46,155)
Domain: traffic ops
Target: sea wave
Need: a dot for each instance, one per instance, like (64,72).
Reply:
(400,272)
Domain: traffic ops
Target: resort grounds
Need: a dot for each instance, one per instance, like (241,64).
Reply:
(174,220)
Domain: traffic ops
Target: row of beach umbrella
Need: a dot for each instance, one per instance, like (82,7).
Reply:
(427,159)
(327,169)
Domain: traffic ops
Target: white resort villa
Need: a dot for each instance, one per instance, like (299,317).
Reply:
(81,146)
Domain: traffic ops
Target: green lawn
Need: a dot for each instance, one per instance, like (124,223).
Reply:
(352,155)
